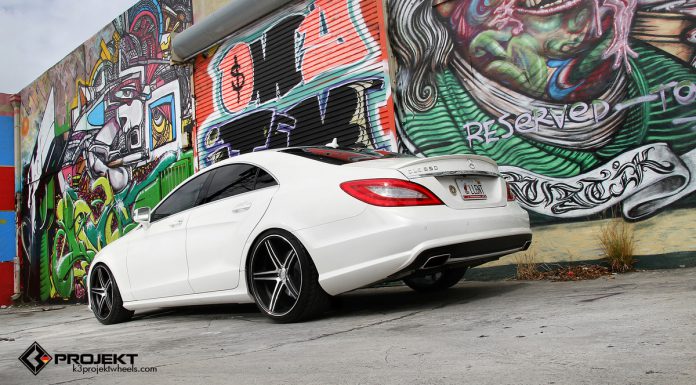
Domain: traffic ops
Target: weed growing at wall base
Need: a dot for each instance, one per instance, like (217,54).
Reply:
(527,268)
(618,244)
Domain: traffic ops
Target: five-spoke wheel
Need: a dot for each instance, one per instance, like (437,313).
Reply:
(105,298)
(283,279)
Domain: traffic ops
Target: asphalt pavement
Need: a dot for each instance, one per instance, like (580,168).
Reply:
(637,328)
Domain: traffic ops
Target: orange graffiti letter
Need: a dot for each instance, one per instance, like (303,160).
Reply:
(330,38)
(237,68)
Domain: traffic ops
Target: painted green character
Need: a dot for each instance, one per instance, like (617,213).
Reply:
(580,115)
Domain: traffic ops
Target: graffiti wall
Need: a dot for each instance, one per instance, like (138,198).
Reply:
(7,200)
(103,132)
(311,72)
(7,180)
(587,105)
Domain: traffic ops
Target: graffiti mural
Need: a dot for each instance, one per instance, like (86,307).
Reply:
(102,134)
(7,197)
(586,104)
(313,71)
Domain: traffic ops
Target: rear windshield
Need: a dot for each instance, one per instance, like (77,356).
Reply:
(341,156)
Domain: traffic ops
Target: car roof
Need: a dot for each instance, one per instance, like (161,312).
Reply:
(280,162)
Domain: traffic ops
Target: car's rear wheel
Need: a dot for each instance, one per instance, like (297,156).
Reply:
(283,279)
(436,281)
(105,298)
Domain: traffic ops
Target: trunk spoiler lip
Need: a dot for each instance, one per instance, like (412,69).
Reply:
(403,168)
(456,172)
(449,157)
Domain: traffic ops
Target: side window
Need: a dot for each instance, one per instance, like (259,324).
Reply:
(182,199)
(264,179)
(229,181)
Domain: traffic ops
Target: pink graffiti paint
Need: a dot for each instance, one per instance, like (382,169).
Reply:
(341,46)
(623,18)
(504,16)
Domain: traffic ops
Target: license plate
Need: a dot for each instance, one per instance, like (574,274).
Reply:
(471,189)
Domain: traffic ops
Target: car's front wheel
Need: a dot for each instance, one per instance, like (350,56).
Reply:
(283,279)
(437,281)
(105,298)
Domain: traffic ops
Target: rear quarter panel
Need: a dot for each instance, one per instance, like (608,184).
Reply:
(310,195)
(313,198)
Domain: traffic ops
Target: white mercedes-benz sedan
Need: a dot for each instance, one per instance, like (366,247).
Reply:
(287,229)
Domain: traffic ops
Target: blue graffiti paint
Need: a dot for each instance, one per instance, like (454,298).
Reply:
(7,236)
(96,115)
(556,91)
(6,141)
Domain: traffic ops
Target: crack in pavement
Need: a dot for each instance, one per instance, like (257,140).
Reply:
(386,355)
(52,325)
(556,326)
(315,338)
(75,380)
(601,297)
(325,335)
(30,311)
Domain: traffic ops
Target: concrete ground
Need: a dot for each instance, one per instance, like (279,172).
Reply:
(638,328)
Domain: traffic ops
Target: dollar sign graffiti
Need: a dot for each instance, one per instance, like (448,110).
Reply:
(238,78)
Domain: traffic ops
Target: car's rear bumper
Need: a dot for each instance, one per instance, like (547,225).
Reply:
(383,242)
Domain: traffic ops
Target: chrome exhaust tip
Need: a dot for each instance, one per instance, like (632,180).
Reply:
(436,261)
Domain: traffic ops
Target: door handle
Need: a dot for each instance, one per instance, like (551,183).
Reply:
(242,207)
(177,223)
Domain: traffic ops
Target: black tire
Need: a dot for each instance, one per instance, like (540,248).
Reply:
(436,281)
(105,297)
(284,271)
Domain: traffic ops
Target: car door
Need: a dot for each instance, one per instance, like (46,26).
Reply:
(236,200)
(156,259)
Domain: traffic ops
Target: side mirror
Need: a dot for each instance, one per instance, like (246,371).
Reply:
(142,216)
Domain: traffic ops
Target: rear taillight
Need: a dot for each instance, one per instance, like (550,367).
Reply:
(510,194)
(390,192)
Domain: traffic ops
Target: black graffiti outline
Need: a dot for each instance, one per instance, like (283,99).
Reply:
(588,192)
(237,84)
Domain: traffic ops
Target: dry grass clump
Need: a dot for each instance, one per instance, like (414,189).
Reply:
(618,243)
(527,268)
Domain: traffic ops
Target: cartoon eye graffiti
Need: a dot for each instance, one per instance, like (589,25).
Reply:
(126,93)
(162,125)
(157,118)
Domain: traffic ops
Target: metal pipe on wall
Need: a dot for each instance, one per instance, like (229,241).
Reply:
(216,27)
(16,102)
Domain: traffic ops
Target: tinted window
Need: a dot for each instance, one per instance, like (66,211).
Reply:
(264,179)
(229,181)
(342,156)
(182,199)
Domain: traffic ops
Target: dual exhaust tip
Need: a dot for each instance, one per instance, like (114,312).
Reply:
(441,259)
(436,261)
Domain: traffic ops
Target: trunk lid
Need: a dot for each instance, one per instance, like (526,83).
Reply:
(460,181)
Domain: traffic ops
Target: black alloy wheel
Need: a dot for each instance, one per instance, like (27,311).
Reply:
(105,299)
(283,280)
